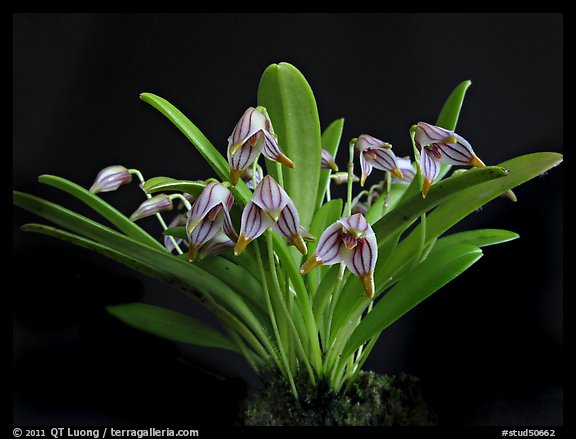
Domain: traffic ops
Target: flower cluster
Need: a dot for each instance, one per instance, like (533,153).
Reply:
(209,228)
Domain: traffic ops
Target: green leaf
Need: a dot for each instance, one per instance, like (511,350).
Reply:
(425,279)
(324,291)
(330,141)
(177,232)
(479,238)
(520,170)
(103,208)
(448,117)
(162,184)
(218,163)
(289,100)
(170,324)
(404,214)
(379,208)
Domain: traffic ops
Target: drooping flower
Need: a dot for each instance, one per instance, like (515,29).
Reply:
(327,161)
(111,178)
(250,177)
(209,215)
(250,136)
(270,206)
(350,240)
(158,203)
(178,221)
(342,178)
(408,171)
(438,145)
(375,153)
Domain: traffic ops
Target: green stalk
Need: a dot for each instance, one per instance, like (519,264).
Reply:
(285,368)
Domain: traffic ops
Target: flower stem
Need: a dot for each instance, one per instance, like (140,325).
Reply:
(348,208)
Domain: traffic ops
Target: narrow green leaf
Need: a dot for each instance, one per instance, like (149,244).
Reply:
(479,238)
(404,214)
(163,184)
(101,207)
(289,100)
(170,324)
(177,232)
(324,291)
(330,141)
(218,163)
(379,207)
(425,279)
(448,117)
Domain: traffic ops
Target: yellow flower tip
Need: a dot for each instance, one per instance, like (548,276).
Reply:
(285,161)
(298,241)
(509,195)
(397,173)
(363,179)
(234,148)
(476,162)
(426,187)
(235,176)
(312,262)
(334,166)
(241,244)
(385,146)
(368,282)
(450,139)
(192,252)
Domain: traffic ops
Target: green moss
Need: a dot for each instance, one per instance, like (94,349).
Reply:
(371,400)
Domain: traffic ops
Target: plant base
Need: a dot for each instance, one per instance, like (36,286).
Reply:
(371,400)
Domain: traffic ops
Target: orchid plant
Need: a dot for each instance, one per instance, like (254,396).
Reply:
(300,282)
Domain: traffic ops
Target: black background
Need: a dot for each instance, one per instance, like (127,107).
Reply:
(487,347)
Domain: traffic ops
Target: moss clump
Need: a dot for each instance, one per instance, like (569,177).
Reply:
(371,400)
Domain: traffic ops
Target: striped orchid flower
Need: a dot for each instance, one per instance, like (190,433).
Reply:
(350,240)
(375,153)
(209,216)
(327,161)
(111,178)
(270,206)
(438,145)
(408,171)
(251,136)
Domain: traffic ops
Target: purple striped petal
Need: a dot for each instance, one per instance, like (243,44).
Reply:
(272,151)
(219,243)
(249,124)
(253,222)
(110,179)
(408,171)
(288,223)
(427,134)
(156,204)
(367,141)
(327,161)
(362,259)
(204,231)
(459,153)
(270,197)
(429,165)
(366,169)
(356,225)
(214,194)
(383,159)
(328,248)
(249,177)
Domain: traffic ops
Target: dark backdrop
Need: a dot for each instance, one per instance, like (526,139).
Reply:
(487,347)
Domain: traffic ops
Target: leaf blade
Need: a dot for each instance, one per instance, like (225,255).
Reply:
(330,141)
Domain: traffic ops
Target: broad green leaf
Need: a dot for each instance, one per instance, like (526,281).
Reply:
(479,238)
(425,279)
(289,100)
(162,184)
(448,117)
(218,163)
(330,141)
(170,324)
(404,214)
(103,208)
